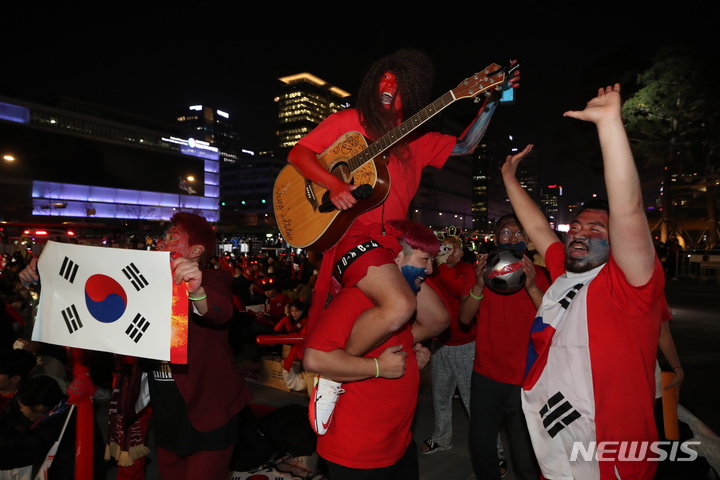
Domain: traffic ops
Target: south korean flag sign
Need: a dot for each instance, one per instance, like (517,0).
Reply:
(105,299)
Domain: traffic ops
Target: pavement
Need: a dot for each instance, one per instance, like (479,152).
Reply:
(695,328)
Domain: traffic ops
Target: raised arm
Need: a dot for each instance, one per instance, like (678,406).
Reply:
(470,304)
(474,132)
(532,219)
(432,317)
(628,231)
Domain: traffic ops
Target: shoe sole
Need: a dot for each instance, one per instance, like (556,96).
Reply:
(436,450)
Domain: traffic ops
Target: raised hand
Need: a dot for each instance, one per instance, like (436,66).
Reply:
(529,270)
(29,274)
(392,362)
(512,161)
(185,270)
(606,105)
(514,77)
(480,271)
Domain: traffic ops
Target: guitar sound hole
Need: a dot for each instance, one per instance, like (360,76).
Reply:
(342,171)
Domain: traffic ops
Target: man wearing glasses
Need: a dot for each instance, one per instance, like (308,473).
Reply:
(503,333)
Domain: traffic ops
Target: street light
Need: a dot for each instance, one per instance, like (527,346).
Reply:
(9,158)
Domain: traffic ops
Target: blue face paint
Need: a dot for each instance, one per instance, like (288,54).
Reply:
(411,273)
(519,247)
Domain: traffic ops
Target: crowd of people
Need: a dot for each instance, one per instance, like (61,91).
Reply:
(569,358)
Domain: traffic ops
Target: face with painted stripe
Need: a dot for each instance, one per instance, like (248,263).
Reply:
(415,267)
(587,245)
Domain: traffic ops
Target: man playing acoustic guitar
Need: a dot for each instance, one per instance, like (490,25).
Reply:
(395,88)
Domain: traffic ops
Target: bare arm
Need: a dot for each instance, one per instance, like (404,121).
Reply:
(474,132)
(532,219)
(340,366)
(667,347)
(432,318)
(305,161)
(472,135)
(470,304)
(536,295)
(629,233)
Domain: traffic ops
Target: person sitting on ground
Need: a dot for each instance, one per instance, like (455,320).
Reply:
(15,368)
(46,408)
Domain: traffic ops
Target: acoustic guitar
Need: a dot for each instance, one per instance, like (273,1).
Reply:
(304,213)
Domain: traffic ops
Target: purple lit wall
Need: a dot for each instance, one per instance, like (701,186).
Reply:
(76,200)
(14,113)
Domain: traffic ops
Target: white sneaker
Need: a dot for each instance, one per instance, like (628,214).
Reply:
(322,403)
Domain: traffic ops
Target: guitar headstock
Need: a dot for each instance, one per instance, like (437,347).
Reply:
(491,76)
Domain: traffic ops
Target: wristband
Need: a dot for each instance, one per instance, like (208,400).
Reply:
(476,298)
(377,368)
(197,299)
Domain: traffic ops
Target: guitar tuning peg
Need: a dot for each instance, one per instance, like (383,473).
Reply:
(476,100)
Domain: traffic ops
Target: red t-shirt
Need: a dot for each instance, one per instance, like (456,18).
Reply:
(371,422)
(431,149)
(275,307)
(503,332)
(453,284)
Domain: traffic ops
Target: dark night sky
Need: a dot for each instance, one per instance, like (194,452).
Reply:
(152,60)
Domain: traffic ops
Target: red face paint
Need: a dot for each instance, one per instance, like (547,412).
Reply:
(388,91)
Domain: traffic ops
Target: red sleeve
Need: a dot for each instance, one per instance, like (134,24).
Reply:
(634,300)
(451,279)
(218,287)
(555,260)
(436,148)
(330,130)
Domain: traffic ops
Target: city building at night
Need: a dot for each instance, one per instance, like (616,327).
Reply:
(551,204)
(303,102)
(489,198)
(81,161)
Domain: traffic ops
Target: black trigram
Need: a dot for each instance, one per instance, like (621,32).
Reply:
(72,319)
(136,329)
(552,422)
(68,270)
(565,302)
(133,274)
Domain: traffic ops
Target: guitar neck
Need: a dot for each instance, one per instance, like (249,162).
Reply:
(401,131)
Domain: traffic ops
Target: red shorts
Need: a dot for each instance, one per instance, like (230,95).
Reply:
(364,246)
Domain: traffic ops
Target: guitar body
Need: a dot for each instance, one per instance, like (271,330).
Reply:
(296,199)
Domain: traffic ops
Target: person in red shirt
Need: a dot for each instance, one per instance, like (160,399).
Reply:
(595,337)
(369,437)
(276,302)
(395,88)
(454,349)
(503,335)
